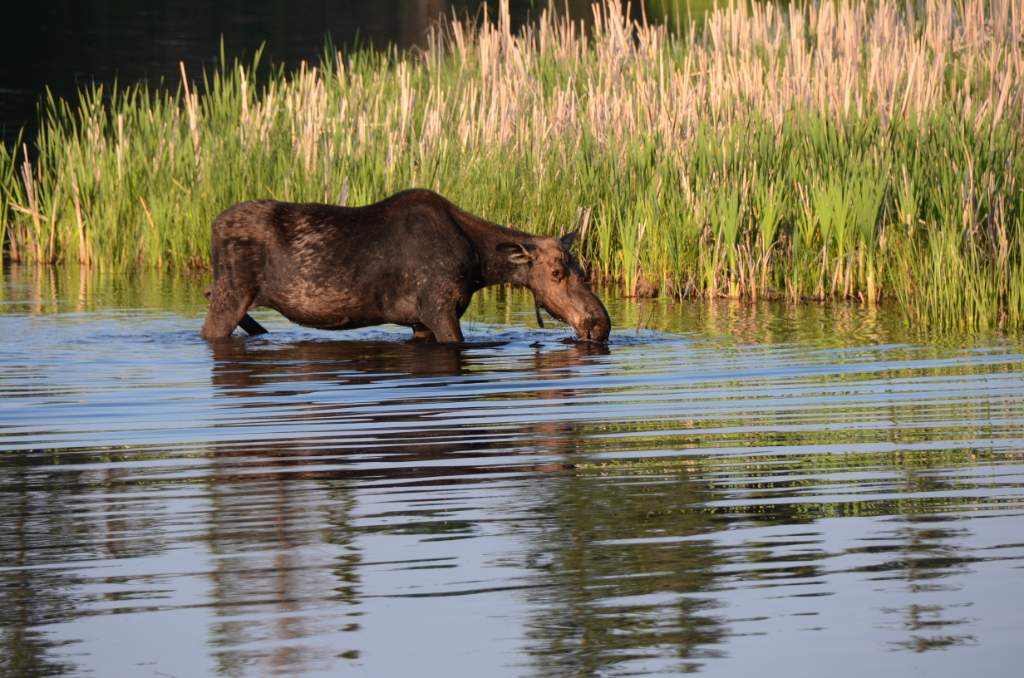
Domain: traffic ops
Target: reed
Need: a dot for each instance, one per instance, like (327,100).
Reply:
(837,150)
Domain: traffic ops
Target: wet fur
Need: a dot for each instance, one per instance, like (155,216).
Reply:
(414,259)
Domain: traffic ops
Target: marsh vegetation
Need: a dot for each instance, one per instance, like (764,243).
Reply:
(841,150)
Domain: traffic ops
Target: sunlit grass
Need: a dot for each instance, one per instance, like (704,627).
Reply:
(840,151)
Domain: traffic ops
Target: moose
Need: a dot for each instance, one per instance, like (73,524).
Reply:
(414,259)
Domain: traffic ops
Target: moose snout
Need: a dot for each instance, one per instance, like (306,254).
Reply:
(595,325)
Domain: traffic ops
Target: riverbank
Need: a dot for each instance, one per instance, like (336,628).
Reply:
(834,152)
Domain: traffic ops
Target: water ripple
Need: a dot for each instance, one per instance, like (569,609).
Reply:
(684,499)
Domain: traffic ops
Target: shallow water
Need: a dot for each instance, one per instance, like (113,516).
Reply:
(726,489)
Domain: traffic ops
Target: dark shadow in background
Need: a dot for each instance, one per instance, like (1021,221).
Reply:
(69,44)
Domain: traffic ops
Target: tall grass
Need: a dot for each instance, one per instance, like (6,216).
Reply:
(838,150)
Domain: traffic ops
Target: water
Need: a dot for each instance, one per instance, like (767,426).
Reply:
(725,489)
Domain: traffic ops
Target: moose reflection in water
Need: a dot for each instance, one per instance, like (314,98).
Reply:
(346,422)
(410,436)
(347,417)
(356,419)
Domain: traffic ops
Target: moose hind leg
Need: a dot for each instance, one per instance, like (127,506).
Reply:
(227,309)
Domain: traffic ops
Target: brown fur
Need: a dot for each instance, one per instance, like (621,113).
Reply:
(414,259)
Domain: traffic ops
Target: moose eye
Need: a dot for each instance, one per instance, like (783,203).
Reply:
(558,274)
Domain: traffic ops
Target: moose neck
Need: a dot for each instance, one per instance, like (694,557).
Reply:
(495,268)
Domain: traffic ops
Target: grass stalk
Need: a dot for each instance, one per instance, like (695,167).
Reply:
(837,150)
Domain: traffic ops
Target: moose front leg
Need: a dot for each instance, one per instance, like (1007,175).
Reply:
(439,311)
(447,330)
(442,323)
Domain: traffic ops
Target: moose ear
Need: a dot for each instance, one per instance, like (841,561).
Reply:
(568,239)
(517,253)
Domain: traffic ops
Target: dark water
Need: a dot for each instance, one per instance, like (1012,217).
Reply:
(69,44)
(729,489)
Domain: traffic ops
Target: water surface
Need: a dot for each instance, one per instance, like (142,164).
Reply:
(725,489)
